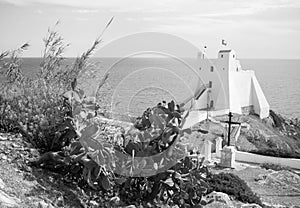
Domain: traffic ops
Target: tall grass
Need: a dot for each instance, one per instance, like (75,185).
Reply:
(36,107)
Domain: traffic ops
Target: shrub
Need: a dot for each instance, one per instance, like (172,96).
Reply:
(36,116)
(273,166)
(183,184)
(36,107)
(92,161)
(232,185)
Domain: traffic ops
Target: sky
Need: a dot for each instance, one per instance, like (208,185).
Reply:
(253,28)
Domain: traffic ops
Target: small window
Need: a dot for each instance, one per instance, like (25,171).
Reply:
(210,84)
(237,69)
(211,68)
(233,56)
(221,55)
(211,104)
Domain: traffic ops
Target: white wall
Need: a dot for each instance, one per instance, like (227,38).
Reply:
(242,84)
(259,159)
(222,95)
(218,90)
(201,103)
(232,88)
(261,105)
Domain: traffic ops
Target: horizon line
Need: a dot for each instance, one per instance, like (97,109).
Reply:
(74,57)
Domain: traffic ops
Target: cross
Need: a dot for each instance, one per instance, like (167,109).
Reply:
(229,127)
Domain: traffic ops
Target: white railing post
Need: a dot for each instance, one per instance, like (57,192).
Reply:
(207,150)
(218,146)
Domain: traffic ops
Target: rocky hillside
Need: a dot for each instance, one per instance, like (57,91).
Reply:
(274,136)
(25,186)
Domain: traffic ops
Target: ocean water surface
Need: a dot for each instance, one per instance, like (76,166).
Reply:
(280,81)
(142,82)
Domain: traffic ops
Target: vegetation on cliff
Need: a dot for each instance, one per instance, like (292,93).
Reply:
(55,117)
(58,119)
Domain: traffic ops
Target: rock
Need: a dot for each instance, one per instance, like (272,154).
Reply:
(33,151)
(269,121)
(7,201)
(282,179)
(60,201)
(115,200)
(43,204)
(2,138)
(250,206)
(149,205)
(94,203)
(2,184)
(219,197)
(268,205)
(50,206)
(278,120)
(217,204)
(14,145)
(4,157)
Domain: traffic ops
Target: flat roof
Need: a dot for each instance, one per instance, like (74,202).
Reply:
(224,51)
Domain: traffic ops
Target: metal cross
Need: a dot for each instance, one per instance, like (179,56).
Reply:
(229,126)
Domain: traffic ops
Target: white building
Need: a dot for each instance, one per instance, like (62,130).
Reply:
(230,88)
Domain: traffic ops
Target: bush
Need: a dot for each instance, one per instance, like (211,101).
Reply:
(183,184)
(91,161)
(36,107)
(273,166)
(232,185)
(36,116)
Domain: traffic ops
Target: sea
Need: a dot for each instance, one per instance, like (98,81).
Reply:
(134,84)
